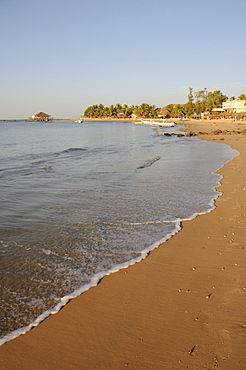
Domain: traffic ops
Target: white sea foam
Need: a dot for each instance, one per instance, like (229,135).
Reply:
(99,276)
(93,282)
(177,223)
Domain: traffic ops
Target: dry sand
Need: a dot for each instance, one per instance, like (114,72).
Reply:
(183,307)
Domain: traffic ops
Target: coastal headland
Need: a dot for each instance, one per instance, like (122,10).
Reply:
(183,307)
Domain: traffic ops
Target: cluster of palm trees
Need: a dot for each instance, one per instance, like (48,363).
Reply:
(198,102)
(202,101)
(120,111)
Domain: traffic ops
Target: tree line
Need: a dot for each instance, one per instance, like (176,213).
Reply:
(198,102)
(118,110)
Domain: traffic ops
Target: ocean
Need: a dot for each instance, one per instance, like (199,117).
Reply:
(82,200)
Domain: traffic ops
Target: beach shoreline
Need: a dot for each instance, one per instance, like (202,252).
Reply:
(196,122)
(182,307)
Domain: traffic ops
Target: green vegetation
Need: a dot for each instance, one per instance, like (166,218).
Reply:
(120,111)
(198,102)
(242,97)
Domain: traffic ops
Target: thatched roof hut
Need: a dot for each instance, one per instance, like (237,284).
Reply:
(163,112)
(41,116)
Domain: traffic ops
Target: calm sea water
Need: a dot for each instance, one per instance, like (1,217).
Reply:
(77,200)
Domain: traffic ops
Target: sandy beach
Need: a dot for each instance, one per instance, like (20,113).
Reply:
(183,307)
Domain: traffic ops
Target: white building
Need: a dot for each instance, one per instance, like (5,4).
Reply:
(234,106)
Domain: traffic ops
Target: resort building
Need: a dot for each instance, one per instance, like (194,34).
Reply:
(234,106)
(163,112)
(41,116)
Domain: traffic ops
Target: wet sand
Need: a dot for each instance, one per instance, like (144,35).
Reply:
(183,307)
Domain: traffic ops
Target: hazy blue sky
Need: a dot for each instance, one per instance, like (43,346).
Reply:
(60,56)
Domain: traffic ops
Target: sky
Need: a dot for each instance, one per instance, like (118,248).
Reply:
(61,56)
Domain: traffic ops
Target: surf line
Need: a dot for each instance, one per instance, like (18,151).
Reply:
(95,280)
(141,223)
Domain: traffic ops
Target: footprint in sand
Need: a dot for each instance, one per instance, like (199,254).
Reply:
(225,350)
(215,364)
(233,218)
(230,296)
